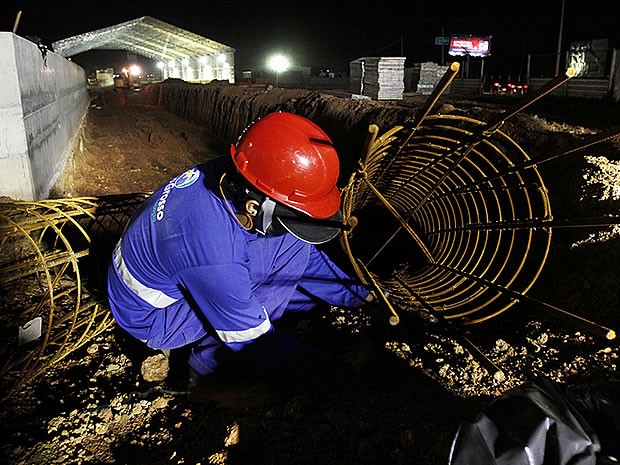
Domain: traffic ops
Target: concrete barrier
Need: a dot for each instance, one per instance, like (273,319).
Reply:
(43,100)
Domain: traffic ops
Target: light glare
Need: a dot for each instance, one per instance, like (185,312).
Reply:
(278,63)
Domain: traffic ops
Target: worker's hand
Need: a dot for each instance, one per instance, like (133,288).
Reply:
(373,299)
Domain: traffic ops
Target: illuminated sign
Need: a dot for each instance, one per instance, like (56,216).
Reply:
(470,45)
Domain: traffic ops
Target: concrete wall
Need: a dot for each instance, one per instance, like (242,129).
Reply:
(576,87)
(43,100)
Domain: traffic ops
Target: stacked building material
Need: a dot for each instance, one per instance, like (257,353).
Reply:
(426,76)
(380,78)
(356,76)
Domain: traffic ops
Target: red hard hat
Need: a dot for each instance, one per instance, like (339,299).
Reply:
(291,160)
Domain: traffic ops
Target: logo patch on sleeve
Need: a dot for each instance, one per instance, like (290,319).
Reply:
(187,179)
(180,182)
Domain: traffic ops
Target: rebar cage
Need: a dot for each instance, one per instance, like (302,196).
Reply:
(54,255)
(450,221)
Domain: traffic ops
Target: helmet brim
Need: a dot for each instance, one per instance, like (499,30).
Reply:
(306,228)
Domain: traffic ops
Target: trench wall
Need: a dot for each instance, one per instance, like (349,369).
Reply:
(43,99)
(224,110)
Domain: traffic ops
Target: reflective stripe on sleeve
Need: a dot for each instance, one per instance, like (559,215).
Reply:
(247,334)
(153,296)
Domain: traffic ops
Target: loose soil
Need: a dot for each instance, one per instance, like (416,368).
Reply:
(415,384)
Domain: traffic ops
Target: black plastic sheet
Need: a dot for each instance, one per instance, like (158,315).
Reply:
(544,423)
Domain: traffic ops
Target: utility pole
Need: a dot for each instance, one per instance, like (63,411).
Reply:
(558,53)
(443,47)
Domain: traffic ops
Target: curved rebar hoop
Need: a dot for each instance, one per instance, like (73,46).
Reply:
(52,269)
(467,227)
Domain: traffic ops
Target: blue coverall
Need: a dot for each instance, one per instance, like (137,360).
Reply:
(186,272)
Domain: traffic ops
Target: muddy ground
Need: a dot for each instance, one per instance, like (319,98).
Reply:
(415,384)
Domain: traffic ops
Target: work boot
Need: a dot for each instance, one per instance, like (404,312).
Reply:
(193,379)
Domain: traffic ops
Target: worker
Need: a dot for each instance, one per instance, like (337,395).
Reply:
(219,253)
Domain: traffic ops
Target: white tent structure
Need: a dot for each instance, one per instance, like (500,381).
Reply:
(179,53)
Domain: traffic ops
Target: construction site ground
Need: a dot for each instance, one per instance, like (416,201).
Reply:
(415,384)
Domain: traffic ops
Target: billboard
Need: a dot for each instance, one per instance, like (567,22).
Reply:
(475,46)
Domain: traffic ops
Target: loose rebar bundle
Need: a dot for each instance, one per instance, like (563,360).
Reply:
(52,279)
(449,216)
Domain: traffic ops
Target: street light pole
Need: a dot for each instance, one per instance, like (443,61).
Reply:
(278,64)
(559,51)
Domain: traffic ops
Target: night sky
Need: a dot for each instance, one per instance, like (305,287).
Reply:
(331,34)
